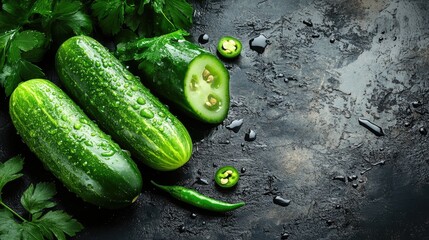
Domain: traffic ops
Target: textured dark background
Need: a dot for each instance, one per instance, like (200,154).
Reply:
(302,96)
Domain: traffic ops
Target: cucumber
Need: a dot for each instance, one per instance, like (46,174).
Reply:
(193,79)
(121,105)
(72,147)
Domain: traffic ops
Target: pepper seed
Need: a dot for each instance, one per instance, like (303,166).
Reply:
(224,181)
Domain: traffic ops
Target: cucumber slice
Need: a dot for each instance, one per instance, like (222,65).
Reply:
(206,88)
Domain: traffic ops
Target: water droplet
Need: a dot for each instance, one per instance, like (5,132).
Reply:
(235,125)
(83,120)
(146,113)
(64,118)
(161,114)
(77,126)
(243,170)
(258,44)
(141,101)
(340,178)
(136,106)
(423,131)
(182,229)
(134,88)
(108,154)
(281,201)
(284,236)
(127,152)
(32,133)
(308,22)
(88,143)
(193,215)
(416,104)
(84,164)
(202,181)
(203,38)
(378,131)
(250,136)
(332,40)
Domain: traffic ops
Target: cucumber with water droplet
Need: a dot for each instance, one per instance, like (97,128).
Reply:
(121,105)
(189,76)
(73,147)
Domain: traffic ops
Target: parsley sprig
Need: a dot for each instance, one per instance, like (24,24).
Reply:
(143,18)
(36,200)
(27,29)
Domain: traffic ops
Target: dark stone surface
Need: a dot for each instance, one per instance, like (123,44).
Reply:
(303,96)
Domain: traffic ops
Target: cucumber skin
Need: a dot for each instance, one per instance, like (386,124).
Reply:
(72,147)
(110,94)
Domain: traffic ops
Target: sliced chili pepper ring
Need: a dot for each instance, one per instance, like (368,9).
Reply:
(229,47)
(227,176)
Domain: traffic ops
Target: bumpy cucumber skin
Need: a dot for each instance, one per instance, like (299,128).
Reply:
(72,147)
(167,77)
(119,102)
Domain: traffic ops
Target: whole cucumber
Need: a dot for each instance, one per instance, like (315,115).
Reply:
(72,147)
(121,105)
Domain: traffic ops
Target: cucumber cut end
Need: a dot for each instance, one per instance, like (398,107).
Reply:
(207,88)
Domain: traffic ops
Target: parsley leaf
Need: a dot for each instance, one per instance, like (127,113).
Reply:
(110,15)
(137,50)
(9,170)
(145,17)
(36,200)
(9,228)
(68,19)
(59,223)
(172,15)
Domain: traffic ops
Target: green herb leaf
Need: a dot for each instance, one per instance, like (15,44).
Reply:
(17,72)
(30,231)
(9,228)
(68,14)
(9,170)
(59,223)
(110,15)
(42,7)
(136,50)
(36,199)
(172,15)
(28,40)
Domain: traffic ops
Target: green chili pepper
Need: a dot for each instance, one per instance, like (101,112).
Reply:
(229,47)
(197,199)
(227,176)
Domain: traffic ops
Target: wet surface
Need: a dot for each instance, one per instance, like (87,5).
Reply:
(303,96)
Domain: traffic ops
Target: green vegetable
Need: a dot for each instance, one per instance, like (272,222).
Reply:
(227,176)
(72,147)
(26,30)
(229,47)
(36,200)
(197,199)
(145,18)
(122,105)
(187,75)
